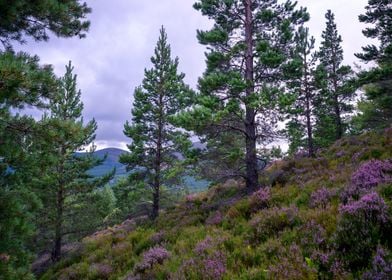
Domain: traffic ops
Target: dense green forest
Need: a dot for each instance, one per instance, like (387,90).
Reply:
(322,209)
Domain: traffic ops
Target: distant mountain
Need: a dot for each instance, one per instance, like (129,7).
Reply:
(112,161)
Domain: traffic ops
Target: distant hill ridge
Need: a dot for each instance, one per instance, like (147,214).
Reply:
(111,161)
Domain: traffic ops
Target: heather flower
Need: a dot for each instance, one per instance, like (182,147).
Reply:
(204,266)
(367,176)
(191,197)
(209,261)
(204,245)
(356,156)
(362,225)
(155,255)
(313,234)
(215,219)
(321,197)
(381,267)
(338,270)
(372,173)
(340,154)
(214,267)
(292,265)
(371,206)
(329,266)
(158,237)
(101,269)
(261,198)
(322,258)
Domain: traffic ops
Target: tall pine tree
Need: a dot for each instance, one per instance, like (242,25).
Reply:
(376,111)
(335,90)
(239,92)
(155,139)
(300,74)
(65,185)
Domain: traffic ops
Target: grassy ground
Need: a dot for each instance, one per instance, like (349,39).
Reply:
(307,224)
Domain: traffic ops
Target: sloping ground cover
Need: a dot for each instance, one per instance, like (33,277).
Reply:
(327,217)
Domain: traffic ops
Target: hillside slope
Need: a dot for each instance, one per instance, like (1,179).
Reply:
(322,218)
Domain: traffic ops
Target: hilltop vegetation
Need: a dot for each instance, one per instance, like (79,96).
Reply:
(322,211)
(327,217)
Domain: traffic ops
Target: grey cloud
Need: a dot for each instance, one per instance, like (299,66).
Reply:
(110,62)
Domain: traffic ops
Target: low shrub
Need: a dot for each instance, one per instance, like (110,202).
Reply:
(369,175)
(321,197)
(158,237)
(215,218)
(214,267)
(363,224)
(381,266)
(101,270)
(372,173)
(329,266)
(209,261)
(240,209)
(269,222)
(155,255)
(313,236)
(292,265)
(260,199)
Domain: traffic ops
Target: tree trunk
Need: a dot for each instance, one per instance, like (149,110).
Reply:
(308,112)
(56,251)
(338,119)
(155,205)
(158,160)
(309,127)
(157,177)
(250,125)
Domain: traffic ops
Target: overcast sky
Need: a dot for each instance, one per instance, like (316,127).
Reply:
(111,60)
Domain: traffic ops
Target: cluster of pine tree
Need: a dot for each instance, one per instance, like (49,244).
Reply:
(47,197)
(262,73)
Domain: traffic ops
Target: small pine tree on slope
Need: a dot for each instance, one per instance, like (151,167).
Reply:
(155,139)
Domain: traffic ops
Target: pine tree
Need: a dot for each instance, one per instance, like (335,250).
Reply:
(335,90)
(240,89)
(377,14)
(64,185)
(23,18)
(300,74)
(18,201)
(376,111)
(221,158)
(155,138)
(24,82)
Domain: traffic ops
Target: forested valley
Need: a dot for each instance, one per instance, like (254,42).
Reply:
(277,165)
